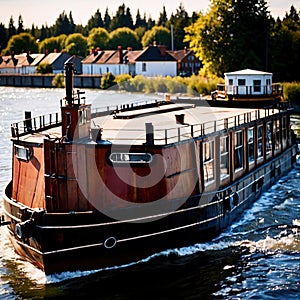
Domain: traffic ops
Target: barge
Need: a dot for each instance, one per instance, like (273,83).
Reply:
(96,189)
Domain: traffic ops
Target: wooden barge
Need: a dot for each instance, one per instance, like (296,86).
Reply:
(91,190)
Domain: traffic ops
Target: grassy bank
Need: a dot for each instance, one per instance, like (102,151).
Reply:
(291,91)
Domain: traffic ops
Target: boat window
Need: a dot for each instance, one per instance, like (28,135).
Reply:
(277,134)
(260,142)
(208,162)
(257,85)
(137,158)
(239,151)
(82,116)
(242,82)
(251,145)
(230,81)
(23,153)
(224,159)
(269,133)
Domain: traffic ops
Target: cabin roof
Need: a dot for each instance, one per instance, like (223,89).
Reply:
(247,72)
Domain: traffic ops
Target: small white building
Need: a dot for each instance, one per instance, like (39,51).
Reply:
(248,83)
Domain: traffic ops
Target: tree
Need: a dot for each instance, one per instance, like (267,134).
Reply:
(3,37)
(122,18)
(52,44)
(76,44)
(107,20)
(124,37)
(139,22)
(64,24)
(20,25)
(158,35)
(20,43)
(11,28)
(44,68)
(223,39)
(98,37)
(95,21)
(162,21)
(179,21)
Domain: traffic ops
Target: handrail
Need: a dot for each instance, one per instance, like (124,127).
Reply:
(36,124)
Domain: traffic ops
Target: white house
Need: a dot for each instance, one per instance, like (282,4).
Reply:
(155,61)
(248,82)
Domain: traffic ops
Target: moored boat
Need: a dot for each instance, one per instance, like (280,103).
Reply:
(93,189)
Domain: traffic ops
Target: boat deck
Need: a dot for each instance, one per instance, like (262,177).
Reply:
(125,127)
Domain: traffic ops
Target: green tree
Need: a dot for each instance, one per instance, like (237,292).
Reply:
(285,48)
(139,22)
(106,20)
(107,81)
(52,44)
(21,43)
(64,24)
(11,28)
(158,35)
(3,37)
(223,39)
(163,19)
(76,43)
(98,37)
(179,21)
(20,25)
(122,18)
(124,37)
(95,21)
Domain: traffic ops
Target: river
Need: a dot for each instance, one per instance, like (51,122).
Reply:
(258,257)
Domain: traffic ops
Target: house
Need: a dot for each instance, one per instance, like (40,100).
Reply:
(248,82)
(114,61)
(19,64)
(187,62)
(76,60)
(155,61)
(57,61)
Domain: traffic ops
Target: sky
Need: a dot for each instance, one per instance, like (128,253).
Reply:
(40,12)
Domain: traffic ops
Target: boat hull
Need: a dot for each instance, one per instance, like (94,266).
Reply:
(57,242)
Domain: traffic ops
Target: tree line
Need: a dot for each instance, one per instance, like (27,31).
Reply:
(230,36)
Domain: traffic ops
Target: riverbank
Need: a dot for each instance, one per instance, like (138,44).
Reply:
(45,81)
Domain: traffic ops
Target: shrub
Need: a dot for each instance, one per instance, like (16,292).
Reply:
(58,81)
(107,81)
(44,68)
(291,92)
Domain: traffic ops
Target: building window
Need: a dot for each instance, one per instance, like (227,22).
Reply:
(230,81)
(224,157)
(208,162)
(268,81)
(242,82)
(239,151)
(259,142)
(144,67)
(257,86)
(251,145)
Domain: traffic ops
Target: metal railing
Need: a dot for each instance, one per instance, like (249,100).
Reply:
(36,124)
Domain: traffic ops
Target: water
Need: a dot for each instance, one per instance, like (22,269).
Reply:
(258,257)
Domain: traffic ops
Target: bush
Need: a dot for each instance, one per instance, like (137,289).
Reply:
(44,68)
(291,92)
(58,81)
(107,81)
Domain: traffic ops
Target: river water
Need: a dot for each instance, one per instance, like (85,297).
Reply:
(258,257)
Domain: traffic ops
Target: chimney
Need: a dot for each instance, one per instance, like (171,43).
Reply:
(162,49)
(184,51)
(120,54)
(129,49)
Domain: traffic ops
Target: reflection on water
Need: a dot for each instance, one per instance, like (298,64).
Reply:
(257,257)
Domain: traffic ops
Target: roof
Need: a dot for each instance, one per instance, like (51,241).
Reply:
(155,53)
(180,54)
(248,72)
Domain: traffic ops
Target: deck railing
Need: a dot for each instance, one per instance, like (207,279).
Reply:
(187,131)
(36,124)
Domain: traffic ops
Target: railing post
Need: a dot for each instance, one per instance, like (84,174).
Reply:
(166,136)
(178,133)
(149,134)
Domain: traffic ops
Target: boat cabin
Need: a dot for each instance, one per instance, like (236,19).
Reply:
(249,83)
